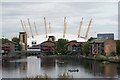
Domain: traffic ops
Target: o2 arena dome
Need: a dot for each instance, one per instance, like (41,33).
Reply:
(41,38)
(38,39)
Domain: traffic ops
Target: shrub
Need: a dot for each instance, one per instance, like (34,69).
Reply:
(104,54)
(113,54)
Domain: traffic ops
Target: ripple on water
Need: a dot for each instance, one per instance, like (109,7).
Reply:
(19,60)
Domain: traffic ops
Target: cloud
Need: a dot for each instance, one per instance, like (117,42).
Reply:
(103,15)
(60,0)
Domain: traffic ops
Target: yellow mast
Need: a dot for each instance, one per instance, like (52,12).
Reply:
(80,28)
(25,27)
(64,27)
(49,27)
(30,27)
(45,26)
(22,25)
(35,28)
(86,35)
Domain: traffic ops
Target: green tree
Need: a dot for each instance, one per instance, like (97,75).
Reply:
(85,48)
(15,39)
(61,45)
(118,47)
(91,38)
(4,40)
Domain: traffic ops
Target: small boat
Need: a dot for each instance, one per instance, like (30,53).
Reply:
(105,62)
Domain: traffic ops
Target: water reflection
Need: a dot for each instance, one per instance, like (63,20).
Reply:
(32,66)
(47,63)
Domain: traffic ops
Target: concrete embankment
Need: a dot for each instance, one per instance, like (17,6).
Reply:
(101,59)
(18,55)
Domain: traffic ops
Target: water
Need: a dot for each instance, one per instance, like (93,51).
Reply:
(52,66)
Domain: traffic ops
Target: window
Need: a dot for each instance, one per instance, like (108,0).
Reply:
(34,42)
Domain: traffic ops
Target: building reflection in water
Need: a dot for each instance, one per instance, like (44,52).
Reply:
(23,68)
(94,67)
(47,63)
(48,66)
(110,71)
(32,66)
(99,69)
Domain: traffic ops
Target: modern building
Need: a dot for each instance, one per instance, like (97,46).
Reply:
(44,47)
(106,35)
(47,47)
(23,40)
(41,38)
(101,46)
(75,46)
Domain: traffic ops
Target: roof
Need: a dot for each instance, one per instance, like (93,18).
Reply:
(3,45)
(75,41)
(42,38)
(106,33)
(99,40)
(48,41)
(22,32)
(72,41)
(11,42)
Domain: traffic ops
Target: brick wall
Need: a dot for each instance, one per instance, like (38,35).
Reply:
(109,46)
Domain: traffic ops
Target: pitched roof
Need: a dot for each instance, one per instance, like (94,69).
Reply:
(99,40)
(47,41)
(11,42)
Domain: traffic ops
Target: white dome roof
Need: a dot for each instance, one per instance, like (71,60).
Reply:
(41,38)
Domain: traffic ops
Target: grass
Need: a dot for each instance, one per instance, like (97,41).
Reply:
(65,75)
(46,77)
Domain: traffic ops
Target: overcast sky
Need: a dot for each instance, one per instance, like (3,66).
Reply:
(104,15)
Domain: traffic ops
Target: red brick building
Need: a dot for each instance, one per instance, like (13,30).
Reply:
(47,47)
(9,47)
(5,48)
(100,46)
(75,46)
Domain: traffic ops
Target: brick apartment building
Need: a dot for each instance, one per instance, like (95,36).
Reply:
(9,47)
(47,47)
(75,46)
(101,46)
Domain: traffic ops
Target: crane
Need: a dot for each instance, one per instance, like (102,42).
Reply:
(80,28)
(30,27)
(86,35)
(49,27)
(45,26)
(35,28)
(64,32)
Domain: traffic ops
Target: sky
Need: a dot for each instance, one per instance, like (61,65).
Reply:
(104,16)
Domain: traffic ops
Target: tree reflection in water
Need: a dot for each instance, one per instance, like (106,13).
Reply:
(54,66)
